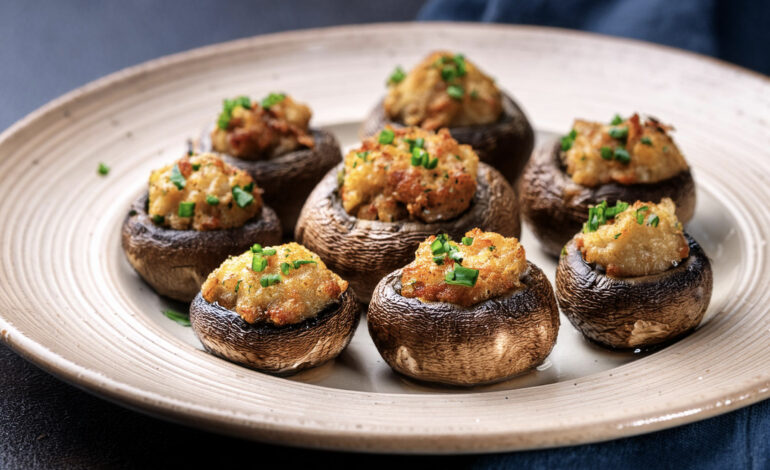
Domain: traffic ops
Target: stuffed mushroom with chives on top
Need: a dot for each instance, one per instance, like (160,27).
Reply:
(197,212)
(632,277)
(366,218)
(465,312)
(272,139)
(623,160)
(277,309)
(446,90)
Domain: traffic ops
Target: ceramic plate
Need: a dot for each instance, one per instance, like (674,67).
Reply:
(70,302)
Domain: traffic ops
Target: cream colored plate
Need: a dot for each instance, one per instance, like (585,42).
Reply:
(70,303)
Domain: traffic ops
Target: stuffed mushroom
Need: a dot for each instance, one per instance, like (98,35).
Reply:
(447,90)
(633,278)
(273,141)
(196,213)
(277,309)
(625,160)
(367,217)
(465,313)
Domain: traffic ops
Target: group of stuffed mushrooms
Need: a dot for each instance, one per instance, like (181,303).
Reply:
(279,242)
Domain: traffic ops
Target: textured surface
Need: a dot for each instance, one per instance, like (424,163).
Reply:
(363,251)
(690,380)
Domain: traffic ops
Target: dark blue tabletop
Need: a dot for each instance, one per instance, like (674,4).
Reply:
(48,47)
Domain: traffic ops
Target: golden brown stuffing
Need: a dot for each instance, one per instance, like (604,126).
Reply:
(201,192)
(293,285)
(444,90)
(644,239)
(627,152)
(262,130)
(418,174)
(500,262)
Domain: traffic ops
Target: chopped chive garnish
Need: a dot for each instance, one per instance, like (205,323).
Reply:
(269,279)
(492,248)
(249,187)
(179,317)
(438,245)
(268,251)
(177,178)
(242,197)
(467,241)
(646,141)
(258,262)
(601,213)
(462,276)
(256,248)
(622,156)
(362,155)
(158,219)
(432,164)
(397,76)
(386,136)
(212,200)
(653,220)
(606,153)
(617,235)
(272,99)
(227,110)
(285,268)
(103,169)
(455,91)
(186,209)
(616,120)
(439,259)
(238,285)
(300,262)
(619,133)
(640,214)
(568,140)
(196,166)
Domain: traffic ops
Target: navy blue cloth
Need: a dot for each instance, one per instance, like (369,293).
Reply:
(733,30)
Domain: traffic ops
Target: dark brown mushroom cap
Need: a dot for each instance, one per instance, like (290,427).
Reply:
(634,312)
(556,207)
(505,144)
(280,350)
(287,180)
(176,262)
(363,251)
(446,343)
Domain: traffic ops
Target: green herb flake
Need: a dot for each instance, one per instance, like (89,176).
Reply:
(467,241)
(462,276)
(179,317)
(242,197)
(212,200)
(622,156)
(432,164)
(646,141)
(568,140)
(186,209)
(601,213)
(653,220)
(158,219)
(177,178)
(640,214)
(272,99)
(227,110)
(285,268)
(103,169)
(397,76)
(492,248)
(238,285)
(300,262)
(455,92)
(196,166)
(362,155)
(619,133)
(617,235)
(258,262)
(268,251)
(439,259)
(616,120)
(606,153)
(256,248)
(386,136)
(269,279)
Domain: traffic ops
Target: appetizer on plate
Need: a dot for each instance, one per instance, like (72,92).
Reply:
(633,278)
(448,90)
(196,213)
(624,160)
(272,139)
(465,313)
(277,309)
(366,218)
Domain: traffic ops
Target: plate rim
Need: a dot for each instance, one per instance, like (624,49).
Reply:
(136,398)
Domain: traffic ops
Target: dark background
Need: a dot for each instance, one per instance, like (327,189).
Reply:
(49,47)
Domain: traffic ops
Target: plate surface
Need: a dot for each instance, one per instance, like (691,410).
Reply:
(71,303)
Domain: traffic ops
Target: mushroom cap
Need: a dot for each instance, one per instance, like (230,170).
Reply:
(176,262)
(363,251)
(505,144)
(625,313)
(556,207)
(279,350)
(446,343)
(287,180)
